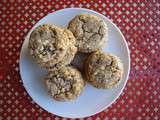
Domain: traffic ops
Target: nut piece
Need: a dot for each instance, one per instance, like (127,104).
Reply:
(64,83)
(103,70)
(90,32)
(48,44)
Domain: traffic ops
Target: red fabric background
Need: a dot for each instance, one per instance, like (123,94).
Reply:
(139,22)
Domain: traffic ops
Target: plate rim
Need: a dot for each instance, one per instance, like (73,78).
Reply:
(128,55)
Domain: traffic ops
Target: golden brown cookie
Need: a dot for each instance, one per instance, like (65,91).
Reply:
(64,83)
(90,31)
(48,44)
(103,70)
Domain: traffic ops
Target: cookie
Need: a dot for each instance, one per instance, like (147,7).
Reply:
(103,70)
(48,44)
(90,32)
(64,83)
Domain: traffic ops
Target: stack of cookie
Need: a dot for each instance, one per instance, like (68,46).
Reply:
(54,48)
(102,70)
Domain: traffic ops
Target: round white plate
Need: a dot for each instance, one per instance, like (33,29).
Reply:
(92,100)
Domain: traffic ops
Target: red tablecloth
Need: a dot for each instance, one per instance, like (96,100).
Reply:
(139,22)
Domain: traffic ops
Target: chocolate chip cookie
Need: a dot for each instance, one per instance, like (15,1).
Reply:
(103,70)
(90,31)
(64,83)
(48,44)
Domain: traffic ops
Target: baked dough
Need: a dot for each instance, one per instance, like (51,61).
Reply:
(90,32)
(64,83)
(103,70)
(48,44)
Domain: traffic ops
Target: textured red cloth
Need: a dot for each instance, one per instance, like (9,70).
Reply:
(139,22)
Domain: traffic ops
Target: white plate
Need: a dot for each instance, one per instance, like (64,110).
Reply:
(92,100)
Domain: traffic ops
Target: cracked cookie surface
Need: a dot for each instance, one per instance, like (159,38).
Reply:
(64,83)
(90,32)
(48,44)
(103,70)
